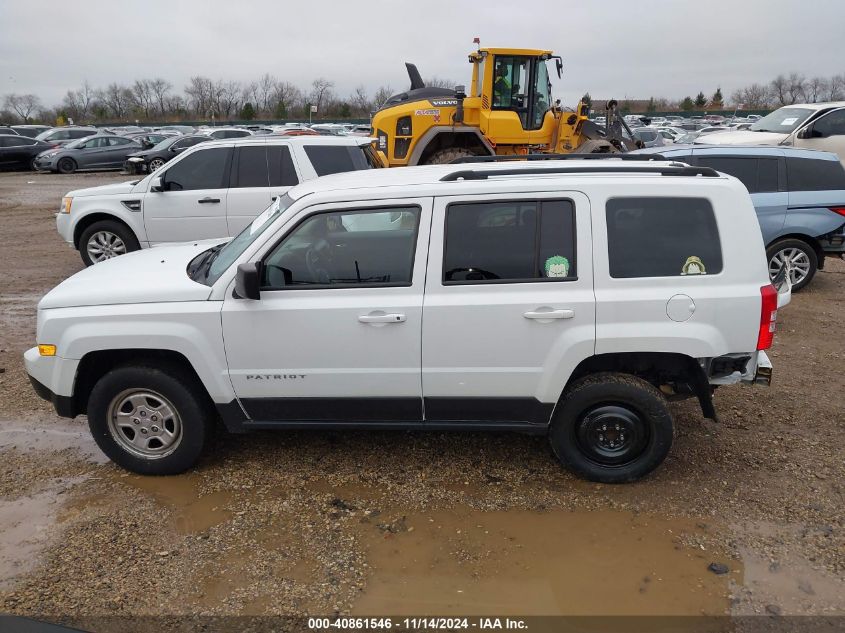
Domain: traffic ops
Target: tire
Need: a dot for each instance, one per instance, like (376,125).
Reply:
(804,262)
(155,163)
(612,428)
(122,411)
(106,239)
(445,156)
(33,166)
(66,166)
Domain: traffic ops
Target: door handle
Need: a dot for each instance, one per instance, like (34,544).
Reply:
(382,318)
(208,200)
(550,314)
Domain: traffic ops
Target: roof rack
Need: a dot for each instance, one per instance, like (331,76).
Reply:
(665,170)
(512,157)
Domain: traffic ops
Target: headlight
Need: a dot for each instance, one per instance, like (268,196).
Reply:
(65,207)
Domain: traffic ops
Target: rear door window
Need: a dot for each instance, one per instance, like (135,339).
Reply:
(662,237)
(509,241)
(252,167)
(333,159)
(812,174)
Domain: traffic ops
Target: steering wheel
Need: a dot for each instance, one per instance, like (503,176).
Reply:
(472,274)
(317,257)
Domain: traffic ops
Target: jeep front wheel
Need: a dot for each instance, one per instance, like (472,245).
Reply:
(148,420)
(612,428)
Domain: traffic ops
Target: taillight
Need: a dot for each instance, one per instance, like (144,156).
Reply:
(768,316)
(839,210)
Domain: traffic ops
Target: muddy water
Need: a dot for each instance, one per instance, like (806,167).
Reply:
(558,562)
(25,528)
(190,512)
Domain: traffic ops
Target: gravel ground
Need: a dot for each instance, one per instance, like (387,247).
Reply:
(306,522)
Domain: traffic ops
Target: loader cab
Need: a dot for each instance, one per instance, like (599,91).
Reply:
(515,92)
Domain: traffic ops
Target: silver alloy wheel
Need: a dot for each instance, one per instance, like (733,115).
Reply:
(156,163)
(144,423)
(796,261)
(104,245)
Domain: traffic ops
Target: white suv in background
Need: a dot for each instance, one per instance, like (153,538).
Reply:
(571,299)
(210,191)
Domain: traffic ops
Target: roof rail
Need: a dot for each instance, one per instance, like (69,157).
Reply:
(512,157)
(666,170)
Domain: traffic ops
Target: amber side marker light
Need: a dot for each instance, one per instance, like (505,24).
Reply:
(47,350)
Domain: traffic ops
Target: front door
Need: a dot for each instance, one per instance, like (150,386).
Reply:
(192,205)
(336,334)
(827,133)
(509,307)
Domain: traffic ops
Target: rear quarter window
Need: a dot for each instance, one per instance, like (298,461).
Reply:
(334,159)
(812,174)
(662,237)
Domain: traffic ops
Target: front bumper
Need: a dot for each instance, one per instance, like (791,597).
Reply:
(64,405)
(65,227)
(135,166)
(52,378)
(45,164)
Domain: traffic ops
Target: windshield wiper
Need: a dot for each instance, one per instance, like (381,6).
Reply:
(205,259)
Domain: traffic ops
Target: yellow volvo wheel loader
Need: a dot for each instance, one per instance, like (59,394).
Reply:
(508,110)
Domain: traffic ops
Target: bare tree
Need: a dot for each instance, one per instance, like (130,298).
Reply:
(796,87)
(360,100)
(382,94)
(200,95)
(437,82)
(160,89)
(284,98)
(117,99)
(267,85)
(835,88)
(816,88)
(753,97)
(22,105)
(321,93)
(144,97)
(780,90)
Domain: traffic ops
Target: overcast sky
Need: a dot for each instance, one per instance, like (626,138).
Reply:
(611,48)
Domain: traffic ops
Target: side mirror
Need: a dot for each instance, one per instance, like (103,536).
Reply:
(247,281)
(156,185)
(805,132)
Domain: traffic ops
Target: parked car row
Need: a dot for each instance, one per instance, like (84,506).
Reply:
(38,147)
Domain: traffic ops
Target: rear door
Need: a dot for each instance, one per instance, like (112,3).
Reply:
(509,307)
(96,153)
(192,205)
(260,173)
(119,148)
(816,188)
(765,179)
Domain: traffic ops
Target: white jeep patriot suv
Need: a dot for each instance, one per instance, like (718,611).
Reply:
(212,190)
(571,299)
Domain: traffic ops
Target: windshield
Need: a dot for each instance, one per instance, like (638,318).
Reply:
(207,267)
(784,120)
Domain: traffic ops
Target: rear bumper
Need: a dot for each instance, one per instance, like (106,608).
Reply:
(763,374)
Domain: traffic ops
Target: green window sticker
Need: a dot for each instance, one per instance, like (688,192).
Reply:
(557,266)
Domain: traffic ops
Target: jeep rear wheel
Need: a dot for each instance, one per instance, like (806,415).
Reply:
(612,428)
(148,420)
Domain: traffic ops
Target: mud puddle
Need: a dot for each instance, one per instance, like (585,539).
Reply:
(51,437)
(549,563)
(191,511)
(26,527)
